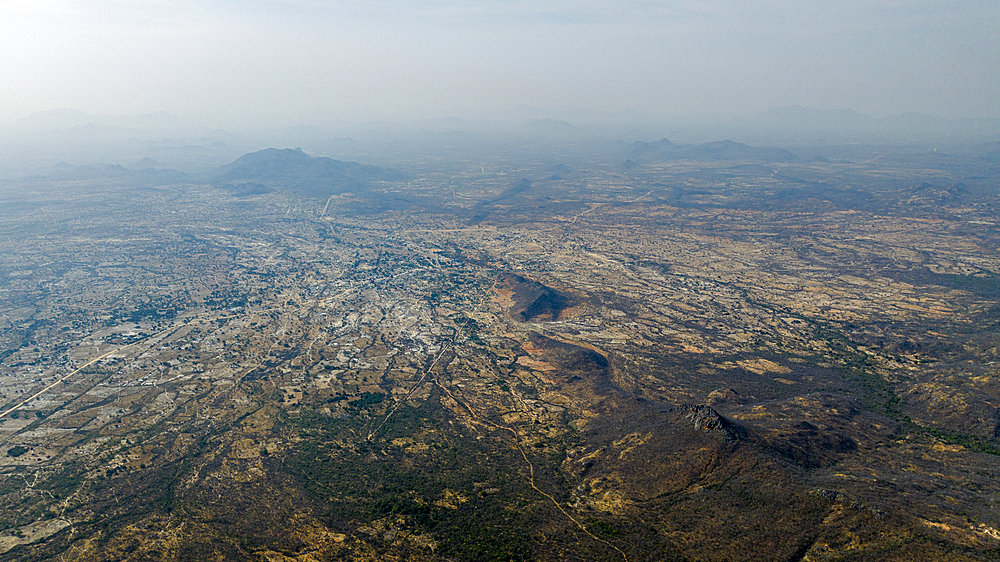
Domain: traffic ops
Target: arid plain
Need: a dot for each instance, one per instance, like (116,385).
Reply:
(716,353)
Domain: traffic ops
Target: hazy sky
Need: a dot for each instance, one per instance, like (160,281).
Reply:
(279,61)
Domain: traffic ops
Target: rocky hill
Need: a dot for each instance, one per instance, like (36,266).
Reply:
(295,170)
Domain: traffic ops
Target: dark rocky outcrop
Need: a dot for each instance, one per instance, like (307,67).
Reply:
(706,419)
(535,301)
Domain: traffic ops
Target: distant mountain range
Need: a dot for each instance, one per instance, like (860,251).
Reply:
(120,137)
(140,174)
(847,125)
(664,150)
(253,173)
(65,118)
(799,116)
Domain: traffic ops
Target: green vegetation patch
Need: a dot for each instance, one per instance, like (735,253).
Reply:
(17,450)
(982,285)
(468,489)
